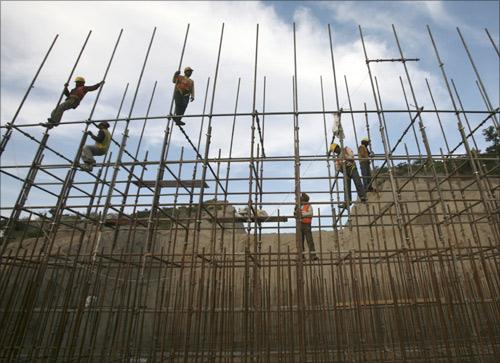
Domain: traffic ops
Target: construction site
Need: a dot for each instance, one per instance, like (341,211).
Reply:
(168,257)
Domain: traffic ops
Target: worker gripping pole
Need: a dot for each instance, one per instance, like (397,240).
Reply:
(30,178)
(70,176)
(8,133)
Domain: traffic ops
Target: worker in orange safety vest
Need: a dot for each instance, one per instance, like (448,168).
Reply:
(184,92)
(306,214)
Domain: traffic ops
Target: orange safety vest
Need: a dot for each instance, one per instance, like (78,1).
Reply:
(305,208)
(184,85)
(78,92)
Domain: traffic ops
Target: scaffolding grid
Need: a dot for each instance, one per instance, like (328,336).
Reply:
(147,258)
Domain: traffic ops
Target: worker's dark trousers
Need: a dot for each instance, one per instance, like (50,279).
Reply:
(56,115)
(181,103)
(306,232)
(366,173)
(352,174)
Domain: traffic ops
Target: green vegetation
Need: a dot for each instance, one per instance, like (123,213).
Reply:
(459,165)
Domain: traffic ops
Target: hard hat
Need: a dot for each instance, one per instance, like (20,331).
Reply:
(304,197)
(188,69)
(365,139)
(80,79)
(103,123)
(333,146)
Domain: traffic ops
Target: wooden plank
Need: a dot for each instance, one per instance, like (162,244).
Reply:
(259,219)
(171,183)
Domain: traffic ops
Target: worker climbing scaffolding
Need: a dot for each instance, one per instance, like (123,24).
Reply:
(73,99)
(183,94)
(102,142)
(345,159)
(365,154)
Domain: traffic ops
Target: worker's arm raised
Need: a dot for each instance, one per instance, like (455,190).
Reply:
(94,87)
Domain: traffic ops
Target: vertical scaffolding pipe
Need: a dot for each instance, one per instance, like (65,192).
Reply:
(339,111)
(230,154)
(328,165)
(132,168)
(108,154)
(492,41)
(120,153)
(490,107)
(298,232)
(395,195)
(8,133)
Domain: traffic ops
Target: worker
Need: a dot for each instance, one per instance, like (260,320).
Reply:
(73,99)
(305,215)
(364,155)
(183,93)
(102,142)
(345,158)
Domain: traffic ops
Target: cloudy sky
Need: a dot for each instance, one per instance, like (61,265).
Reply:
(28,28)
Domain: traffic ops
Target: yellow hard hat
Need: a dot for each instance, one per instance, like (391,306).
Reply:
(333,146)
(188,69)
(80,79)
(365,139)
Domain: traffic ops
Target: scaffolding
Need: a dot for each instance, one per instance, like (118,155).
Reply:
(411,275)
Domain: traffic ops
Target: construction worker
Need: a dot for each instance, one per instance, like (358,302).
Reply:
(184,92)
(364,155)
(73,99)
(102,142)
(345,158)
(305,215)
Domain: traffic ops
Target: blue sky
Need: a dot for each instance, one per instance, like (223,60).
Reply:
(23,46)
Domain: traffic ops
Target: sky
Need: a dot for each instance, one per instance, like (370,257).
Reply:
(28,28)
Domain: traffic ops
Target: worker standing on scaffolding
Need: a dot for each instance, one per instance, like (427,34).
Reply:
(345,158)
(365,154)
(73,99)
(102,142)
(184,92)
(305,215)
